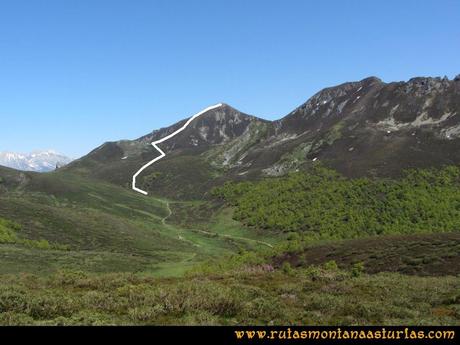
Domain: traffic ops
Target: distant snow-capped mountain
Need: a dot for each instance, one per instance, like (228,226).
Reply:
(40,161)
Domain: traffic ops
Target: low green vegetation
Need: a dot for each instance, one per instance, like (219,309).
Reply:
(322,204)
(299,249)
(8,235)
(106,228)
(252,294)
(8,231)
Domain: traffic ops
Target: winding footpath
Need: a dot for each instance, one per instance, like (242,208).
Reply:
(234,237)
(163,221)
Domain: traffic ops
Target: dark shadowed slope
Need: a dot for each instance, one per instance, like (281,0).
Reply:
(191,161)
(359,128)
(374,127)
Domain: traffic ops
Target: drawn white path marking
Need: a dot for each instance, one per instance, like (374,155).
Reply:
(162,154)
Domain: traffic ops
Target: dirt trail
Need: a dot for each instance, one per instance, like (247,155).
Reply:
(163,220)
(235,237)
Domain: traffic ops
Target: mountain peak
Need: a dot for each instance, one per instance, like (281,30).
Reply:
(371,79)
(213,127)
(39,161)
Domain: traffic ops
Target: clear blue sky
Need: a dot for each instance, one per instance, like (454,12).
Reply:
(74,74)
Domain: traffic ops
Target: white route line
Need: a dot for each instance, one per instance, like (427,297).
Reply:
(162,154)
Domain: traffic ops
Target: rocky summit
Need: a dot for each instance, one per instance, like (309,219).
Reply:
(361,128)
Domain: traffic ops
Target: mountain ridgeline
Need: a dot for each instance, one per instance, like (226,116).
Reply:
(358,128)
(347,210)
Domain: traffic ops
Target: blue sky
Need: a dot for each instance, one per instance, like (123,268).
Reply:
(74,74)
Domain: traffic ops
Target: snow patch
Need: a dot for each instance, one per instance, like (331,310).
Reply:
(40,161)
(451,132)
(342,105)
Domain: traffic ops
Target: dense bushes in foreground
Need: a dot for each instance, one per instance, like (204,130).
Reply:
(248,295)
(326,204)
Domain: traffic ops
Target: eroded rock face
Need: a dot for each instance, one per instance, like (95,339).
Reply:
(215,127)
(375,127)
(402,105)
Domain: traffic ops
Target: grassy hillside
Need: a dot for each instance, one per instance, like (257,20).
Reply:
(106,228)
(76,250)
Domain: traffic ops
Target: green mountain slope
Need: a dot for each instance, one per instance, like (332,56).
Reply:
(103,227)
(323,204)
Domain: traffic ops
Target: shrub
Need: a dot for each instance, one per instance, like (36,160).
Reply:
(15,319)
(286,267)
(13,300)
(50,306)
(357,269)
(8,231)
(331,266)
(332,273)
(265,307)
(331,206)
(69,277)
(8,234)
(146,313)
